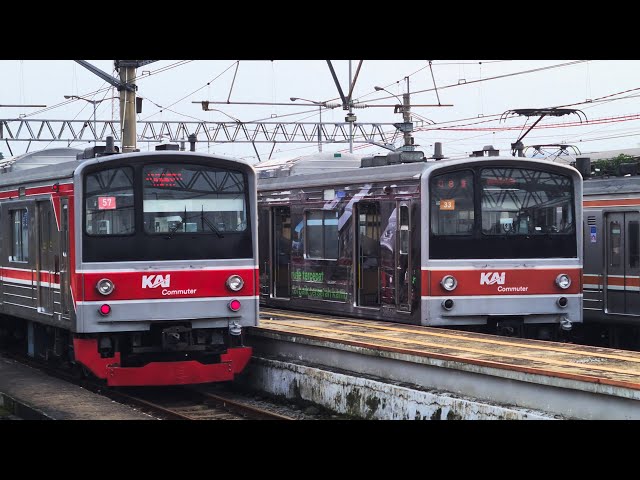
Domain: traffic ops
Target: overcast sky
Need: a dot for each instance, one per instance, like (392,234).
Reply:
(607,92)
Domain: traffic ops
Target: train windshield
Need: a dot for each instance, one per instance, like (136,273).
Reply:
(180,198)
(502,212)
(156,209)
(517,201)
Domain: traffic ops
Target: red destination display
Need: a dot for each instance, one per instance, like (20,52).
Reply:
(163,179)
(106,203)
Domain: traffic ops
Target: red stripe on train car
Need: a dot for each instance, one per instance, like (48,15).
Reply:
(170,284)
(43,190)
(498,281)
(611,203)
(29,275)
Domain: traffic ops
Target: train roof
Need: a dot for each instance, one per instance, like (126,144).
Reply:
(64,168)
(611,185)
(394,172)
(50,172)
(33,165)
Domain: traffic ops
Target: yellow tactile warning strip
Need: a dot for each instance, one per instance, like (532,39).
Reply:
(576,362)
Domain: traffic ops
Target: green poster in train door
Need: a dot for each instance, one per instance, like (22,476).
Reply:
(322,292)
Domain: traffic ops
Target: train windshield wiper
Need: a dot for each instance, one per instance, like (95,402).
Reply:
(205,221)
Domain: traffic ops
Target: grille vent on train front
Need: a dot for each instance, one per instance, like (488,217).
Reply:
(591,220)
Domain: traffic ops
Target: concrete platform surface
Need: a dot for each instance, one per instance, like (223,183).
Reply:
(30,394)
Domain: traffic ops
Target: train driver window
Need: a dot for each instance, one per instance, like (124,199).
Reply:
(109,202)
(452,211)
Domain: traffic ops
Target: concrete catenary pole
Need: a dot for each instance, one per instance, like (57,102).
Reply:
(128,109)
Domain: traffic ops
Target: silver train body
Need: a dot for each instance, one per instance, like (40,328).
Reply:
(612,260)
(480,243)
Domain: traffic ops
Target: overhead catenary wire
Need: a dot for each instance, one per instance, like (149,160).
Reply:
(592,102)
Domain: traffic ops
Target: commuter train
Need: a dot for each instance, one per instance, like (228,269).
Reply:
(139,267)
(488,243)
(612,256)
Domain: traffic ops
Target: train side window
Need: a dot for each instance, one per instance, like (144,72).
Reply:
(614,253)
(20,235)
(321,234)
(404,230)
(109,202)
(634,243)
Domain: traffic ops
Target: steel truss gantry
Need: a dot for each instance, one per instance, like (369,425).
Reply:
(69,131)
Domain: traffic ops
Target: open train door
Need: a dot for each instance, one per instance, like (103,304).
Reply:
(367,269)
(281,253)
(622,263)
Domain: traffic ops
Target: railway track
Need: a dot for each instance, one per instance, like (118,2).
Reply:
(163,403)
(189,403)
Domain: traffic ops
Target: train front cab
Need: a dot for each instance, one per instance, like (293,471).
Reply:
(165,277)
(501,248)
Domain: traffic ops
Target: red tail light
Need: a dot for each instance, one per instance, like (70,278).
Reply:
(234,305)
(105,309)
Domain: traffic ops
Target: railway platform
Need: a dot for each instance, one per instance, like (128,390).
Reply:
(384,370)
(29,394)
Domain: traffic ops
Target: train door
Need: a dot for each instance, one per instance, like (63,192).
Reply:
(281,252)
(65,300)
(622,263)
(45,261)
(367,254)
(403,258)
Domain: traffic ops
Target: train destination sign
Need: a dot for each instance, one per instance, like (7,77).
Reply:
(163,179)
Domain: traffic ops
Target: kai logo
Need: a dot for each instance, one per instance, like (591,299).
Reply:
(155,281)
(491,278)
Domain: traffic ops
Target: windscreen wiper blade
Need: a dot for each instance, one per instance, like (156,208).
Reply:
(205,221)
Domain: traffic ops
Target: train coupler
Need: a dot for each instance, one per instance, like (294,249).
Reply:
(566,324)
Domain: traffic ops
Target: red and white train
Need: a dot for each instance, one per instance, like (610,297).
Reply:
(489,243)
(141,267)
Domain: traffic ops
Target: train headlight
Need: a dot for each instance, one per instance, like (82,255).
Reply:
(563,281)
(235,283)
(449,283)
(105,286)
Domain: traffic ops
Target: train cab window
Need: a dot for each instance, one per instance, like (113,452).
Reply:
(321,234)
(181,199)
(615,255)
(452,211)
(518,201)
(109,202)
(20,235)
